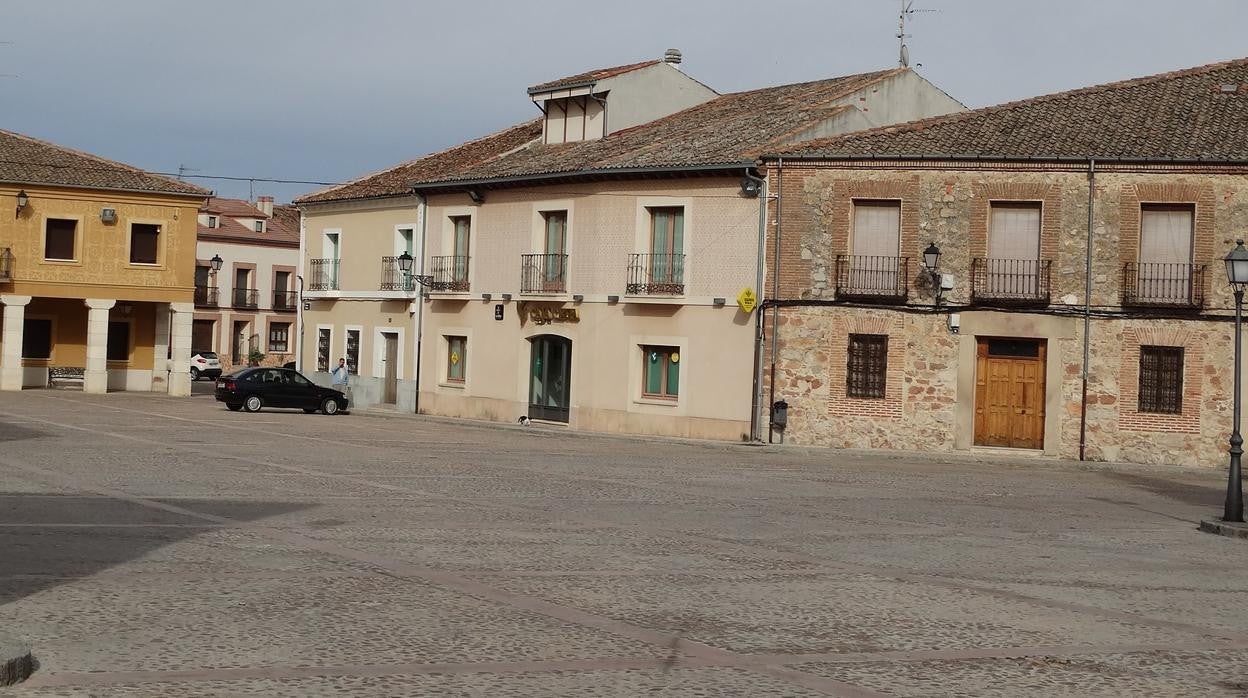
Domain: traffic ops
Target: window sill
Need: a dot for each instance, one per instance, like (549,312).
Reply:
(63,262)
(661,401)
(144,265)
(451,384)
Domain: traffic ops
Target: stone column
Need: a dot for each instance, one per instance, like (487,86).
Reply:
(11,358)
(160,350)
(95,378)
(180,340)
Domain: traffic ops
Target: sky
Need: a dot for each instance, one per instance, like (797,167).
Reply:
(329,90)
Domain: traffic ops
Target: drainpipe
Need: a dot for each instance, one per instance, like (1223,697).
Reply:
(759,281)
(302,323)
(775,295)
(1087,310)
(420,295)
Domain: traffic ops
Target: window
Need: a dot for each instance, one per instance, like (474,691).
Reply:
(212,221)
(1013,264)
(404,243)
(662,372)
(1161,380)
(456,359)
(877,229)
(36,339)
(118,341)
(279,337)
(868,365)
(58,239)
(353,352)
(1165,270)
(259,226)
(281,281)
(144,238)
(324,344)
(667,245)
(461,244)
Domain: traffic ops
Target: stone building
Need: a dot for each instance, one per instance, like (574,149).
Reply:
(1141,182)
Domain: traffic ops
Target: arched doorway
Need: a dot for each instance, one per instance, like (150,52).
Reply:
(550,377)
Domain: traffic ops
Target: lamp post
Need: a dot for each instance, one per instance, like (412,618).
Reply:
(931,261)
(1237,275)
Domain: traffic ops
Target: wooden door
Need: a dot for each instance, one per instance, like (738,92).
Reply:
(1009,393)
(391,393)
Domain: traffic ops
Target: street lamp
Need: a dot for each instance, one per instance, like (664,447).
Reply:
(22,200)
(931,261)
(1237,275)
(216,262)
(405,263)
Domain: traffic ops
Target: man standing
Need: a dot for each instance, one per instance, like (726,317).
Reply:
(340,377)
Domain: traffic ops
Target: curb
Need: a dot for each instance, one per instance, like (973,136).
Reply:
(1230,529)
(16,661)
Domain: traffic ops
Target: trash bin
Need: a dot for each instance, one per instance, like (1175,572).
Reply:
(779,414)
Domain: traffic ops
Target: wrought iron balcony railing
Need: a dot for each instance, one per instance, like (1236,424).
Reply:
(543,273)
(1010,281)
(323,275)
(872,278)
(286,300)
(656,275)
(1163,285)
(450,274)
(6,264)
(207,296)
(393,278)
(246,298)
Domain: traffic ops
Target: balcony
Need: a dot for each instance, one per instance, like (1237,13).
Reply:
(6,264)
(656,275)
(287,301)
(323,275)
(1157,285)
(245,298)
(865,278)
(543,273)
(206,296)
(394,278)
(450,274)
(1010,281)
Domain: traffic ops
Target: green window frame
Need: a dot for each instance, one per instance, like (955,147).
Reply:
(456,359)
(660,372)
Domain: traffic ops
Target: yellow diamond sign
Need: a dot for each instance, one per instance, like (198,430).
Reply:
(746,300)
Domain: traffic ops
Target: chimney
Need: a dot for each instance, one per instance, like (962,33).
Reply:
(265,204)
(672,57)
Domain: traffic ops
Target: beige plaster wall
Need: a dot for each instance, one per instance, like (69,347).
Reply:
(367,234)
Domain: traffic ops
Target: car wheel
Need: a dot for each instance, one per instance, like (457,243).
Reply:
(253,403)
(194,374)
(329,406)
(233,406)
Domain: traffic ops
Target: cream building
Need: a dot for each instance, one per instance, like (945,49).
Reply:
(251,304)
(583,268)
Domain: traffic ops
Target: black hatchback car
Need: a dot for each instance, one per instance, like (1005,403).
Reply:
(253,388)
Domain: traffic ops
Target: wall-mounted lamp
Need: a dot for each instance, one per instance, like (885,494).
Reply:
(405,263)
(216,263)
(22,200)
(931,262)
(750,186)
(477,196)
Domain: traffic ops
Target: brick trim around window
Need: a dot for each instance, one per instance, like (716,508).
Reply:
(1133,195)
(1129,416)
(1049,196)
(839,403)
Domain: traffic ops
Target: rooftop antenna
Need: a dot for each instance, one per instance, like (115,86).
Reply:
(903,51)
(183,169)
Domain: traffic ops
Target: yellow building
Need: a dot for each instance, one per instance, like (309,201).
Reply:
(97,265)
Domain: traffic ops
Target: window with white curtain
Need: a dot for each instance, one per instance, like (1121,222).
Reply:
(875,247)
(1013,263)
(1164,269)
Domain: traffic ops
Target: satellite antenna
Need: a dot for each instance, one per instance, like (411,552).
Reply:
(903,51)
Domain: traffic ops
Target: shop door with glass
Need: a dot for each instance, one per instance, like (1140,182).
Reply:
(550,378)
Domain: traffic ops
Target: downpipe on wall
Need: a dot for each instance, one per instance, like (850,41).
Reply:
(1087,311)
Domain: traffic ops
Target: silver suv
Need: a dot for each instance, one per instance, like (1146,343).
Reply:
(205,364)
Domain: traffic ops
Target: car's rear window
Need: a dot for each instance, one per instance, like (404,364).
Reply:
(206,354)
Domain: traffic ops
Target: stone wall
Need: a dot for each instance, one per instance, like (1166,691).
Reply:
(928,364)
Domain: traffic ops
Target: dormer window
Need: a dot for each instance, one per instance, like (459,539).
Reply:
(212,221)
(575,118)
(259,226)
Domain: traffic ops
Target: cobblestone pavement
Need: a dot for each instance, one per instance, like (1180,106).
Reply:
(160,547)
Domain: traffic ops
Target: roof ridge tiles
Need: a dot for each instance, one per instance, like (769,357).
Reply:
(178,187)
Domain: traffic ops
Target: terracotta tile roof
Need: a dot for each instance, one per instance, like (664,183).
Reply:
(238,208)
(729,130)
(1180,115)
(280,229)
(397,181)
(26,160)
(590,76)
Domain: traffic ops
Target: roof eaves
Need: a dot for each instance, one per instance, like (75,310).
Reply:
(206,193)
(578,174)
(994,157)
